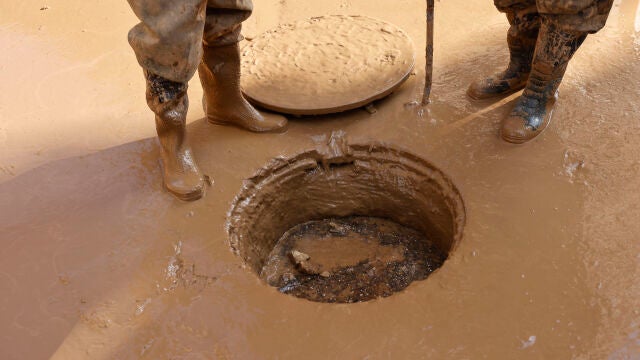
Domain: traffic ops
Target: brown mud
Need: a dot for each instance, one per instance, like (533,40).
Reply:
(378,197)
(99,262)
(350,259)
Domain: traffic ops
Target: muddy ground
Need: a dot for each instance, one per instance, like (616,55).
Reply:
(98,262)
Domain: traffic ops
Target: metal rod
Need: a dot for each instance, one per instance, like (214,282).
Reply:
(428,76)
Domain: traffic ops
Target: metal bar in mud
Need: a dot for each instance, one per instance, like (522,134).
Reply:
(428,76)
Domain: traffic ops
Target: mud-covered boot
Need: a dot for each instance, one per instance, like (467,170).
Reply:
(522,44)
(223,100)
(168,100)
(533,110)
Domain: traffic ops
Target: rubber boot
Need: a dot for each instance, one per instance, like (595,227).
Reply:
(533,110)
(223,101)
(522,45)
(168,100)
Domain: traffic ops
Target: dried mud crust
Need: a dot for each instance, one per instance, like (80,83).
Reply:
(398,256)
(326,64)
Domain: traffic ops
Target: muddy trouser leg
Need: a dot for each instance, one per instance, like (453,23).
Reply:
(521,39)
(220,69)
(167,43)
(563,30)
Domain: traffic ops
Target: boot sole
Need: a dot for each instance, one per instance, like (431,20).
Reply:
(190,196)
(496,95)
(519,141)
(229,123)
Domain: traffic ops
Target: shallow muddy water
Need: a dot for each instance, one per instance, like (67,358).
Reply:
(350,259)
(98,262)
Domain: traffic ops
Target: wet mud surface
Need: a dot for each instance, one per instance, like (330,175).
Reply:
(97,261)
(350,259)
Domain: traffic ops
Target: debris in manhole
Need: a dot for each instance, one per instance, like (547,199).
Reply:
(350,259)
(301,261)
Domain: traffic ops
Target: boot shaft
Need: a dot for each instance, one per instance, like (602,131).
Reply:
(521,39)
(554,50)
(521,50)
(168,100)
(220,68)
(161,90)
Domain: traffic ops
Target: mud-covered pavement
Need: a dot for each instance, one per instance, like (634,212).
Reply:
(98,262)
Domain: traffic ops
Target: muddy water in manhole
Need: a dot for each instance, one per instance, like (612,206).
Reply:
(347,224)
(350,259)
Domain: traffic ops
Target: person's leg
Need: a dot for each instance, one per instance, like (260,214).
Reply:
(521,39)
(565,25)
(168,100)
(220,70)
(167,44)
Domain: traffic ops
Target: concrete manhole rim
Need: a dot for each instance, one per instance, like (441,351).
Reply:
(280,170)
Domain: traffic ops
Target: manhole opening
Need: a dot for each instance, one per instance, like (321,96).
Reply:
(350,225)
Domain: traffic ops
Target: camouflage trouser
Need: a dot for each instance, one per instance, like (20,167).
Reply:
(168,40)
(585,16)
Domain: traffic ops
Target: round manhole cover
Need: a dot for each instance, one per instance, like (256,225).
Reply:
(326,64)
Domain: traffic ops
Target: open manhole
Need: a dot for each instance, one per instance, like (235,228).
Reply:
(349,224)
